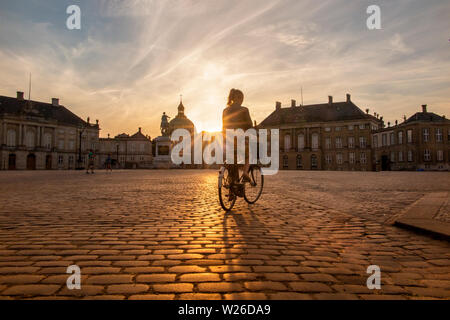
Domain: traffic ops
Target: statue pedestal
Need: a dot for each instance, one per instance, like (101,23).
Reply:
(162,159)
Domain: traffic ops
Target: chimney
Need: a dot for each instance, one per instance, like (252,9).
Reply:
(96,121)
(19,95)
(108,135)
(424,108)
(277,105)
(330,100)
(389,124)
(87,119)
(348,97)
(396,122)
(55,102)
(292,103)
(367,110)
(254,122)
(139,129)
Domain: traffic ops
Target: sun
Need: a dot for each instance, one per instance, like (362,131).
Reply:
(209,126)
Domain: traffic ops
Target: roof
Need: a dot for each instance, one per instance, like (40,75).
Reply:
(336,111)
(181,121)
(426,117)
(139,136)
(37,109)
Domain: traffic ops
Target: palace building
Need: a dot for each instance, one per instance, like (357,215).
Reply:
(327,136)
(125,151)
(421,142)
(40,135)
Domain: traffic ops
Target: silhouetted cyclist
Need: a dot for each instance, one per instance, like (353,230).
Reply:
(235,116)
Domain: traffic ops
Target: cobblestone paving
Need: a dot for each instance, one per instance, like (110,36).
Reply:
(162,235)
(444,212)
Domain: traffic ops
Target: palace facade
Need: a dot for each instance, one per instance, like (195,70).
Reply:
(327,136)
(127,152)
(40,135)
(421,142)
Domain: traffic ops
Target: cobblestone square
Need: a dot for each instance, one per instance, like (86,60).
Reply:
(161,234)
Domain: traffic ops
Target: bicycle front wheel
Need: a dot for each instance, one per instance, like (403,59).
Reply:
(226,196)
(254,187)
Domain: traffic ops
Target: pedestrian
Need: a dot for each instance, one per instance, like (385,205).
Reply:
(91,158)
(108,163)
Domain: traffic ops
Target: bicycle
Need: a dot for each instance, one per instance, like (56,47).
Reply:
(231,185)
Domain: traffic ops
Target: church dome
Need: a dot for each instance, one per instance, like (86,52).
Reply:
(181,121)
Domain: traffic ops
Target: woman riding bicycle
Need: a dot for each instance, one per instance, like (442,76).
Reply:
(235,116)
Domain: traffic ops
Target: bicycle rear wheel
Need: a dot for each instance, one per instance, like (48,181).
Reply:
(226,196)
(254,187)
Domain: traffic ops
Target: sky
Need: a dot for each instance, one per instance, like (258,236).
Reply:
(131,60)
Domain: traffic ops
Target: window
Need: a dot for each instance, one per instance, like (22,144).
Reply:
(60,160)
(328,158)
(362,126)
(327,143)
(70,160)
(426,135)
(11,138)
(71,145)
(410,156)
(48,140)
(400,156)
(350,127)
(391,138)
(339,158)
(384,140)
(327,129)
(400,137)
(142,147)
(313,161)
(315,141)
(392,156)
(285,161)
(362,157)
(362,142)
(438,134)
(299,161)
(426,155)
(287,142)
(375,141)
(351,142)
(301,142)
(409,136)
(337,129)
(351,157)
(61,144)
(30,139)
(440,155)
(338,142)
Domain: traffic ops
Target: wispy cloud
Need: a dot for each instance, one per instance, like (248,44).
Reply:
(133,58)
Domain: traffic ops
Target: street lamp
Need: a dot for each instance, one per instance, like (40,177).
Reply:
(81,129)
(117,154)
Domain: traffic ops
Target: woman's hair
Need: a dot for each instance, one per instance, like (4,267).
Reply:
(235,95)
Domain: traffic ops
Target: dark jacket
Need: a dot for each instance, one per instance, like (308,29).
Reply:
(236,117)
